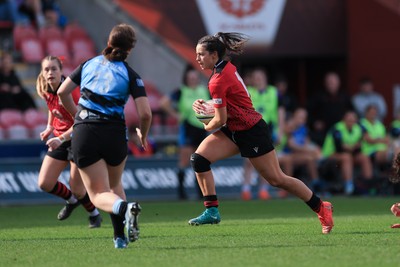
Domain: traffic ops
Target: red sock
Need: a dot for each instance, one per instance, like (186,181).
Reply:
(61,190)
(86,203)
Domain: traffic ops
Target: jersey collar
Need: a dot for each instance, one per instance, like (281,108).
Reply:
(219,66)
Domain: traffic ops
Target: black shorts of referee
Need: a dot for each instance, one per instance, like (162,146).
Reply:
(94,141)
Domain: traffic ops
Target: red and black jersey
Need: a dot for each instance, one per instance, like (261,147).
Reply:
(62,118)
(228,90)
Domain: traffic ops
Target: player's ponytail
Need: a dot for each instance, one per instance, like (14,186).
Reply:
(121,40)
(225,44)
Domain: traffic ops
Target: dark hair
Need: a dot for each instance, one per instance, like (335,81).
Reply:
(224,44)
(188,69)
(365,80)
(121,40)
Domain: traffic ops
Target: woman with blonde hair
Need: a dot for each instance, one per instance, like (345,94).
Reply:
(57,158)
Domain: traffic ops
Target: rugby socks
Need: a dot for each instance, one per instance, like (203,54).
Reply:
(118,225)
(119,208)
(118,217)
(61,190)
(314,203)
(88,205)
(211,201)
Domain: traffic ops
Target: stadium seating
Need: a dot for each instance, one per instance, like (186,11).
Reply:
(10,117)
(12,123)
(17,132)
(32,50)
(131,116)
(32,117)
(82,49)
(23,32)
(50,32)
(57,47)
(73,31)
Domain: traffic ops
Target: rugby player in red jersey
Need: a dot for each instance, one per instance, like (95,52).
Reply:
(238,128)
(56,160)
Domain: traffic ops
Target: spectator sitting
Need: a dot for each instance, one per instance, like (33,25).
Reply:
(52,13)
(12,93)
(343,145)
(30,11)
(368,96)
(375,142)
(327,107)
(395,134)
(301,149)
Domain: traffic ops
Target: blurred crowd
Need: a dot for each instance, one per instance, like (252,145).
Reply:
(337,143)
(39,13)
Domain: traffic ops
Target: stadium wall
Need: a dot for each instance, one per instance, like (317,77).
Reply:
(143,179)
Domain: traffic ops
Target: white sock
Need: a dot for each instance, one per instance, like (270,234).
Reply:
(116,206)
(72,199)
(93,213)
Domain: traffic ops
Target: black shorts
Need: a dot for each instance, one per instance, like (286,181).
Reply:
(62,152)
(190,135)
(94,141)
(254,142)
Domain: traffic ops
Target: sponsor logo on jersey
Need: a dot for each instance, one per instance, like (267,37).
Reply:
(140,82)
(217,101)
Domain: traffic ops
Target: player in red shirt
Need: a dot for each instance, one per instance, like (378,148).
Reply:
(57,158)
(238,128)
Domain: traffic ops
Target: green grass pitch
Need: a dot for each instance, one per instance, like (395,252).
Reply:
(255,233)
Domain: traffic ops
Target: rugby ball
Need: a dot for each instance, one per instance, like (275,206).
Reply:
(208,114)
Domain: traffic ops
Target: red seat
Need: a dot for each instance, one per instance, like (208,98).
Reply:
(73,31)
(32,50)
(33,117)
(153,95)
(57,47)
(10,117)
(82,49)
(23,32)
(50,32)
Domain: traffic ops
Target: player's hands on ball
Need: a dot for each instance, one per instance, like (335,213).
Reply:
(198,106)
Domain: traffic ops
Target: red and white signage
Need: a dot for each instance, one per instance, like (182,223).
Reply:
(259,19)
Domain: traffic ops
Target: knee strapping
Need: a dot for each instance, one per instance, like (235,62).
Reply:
(199,163)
